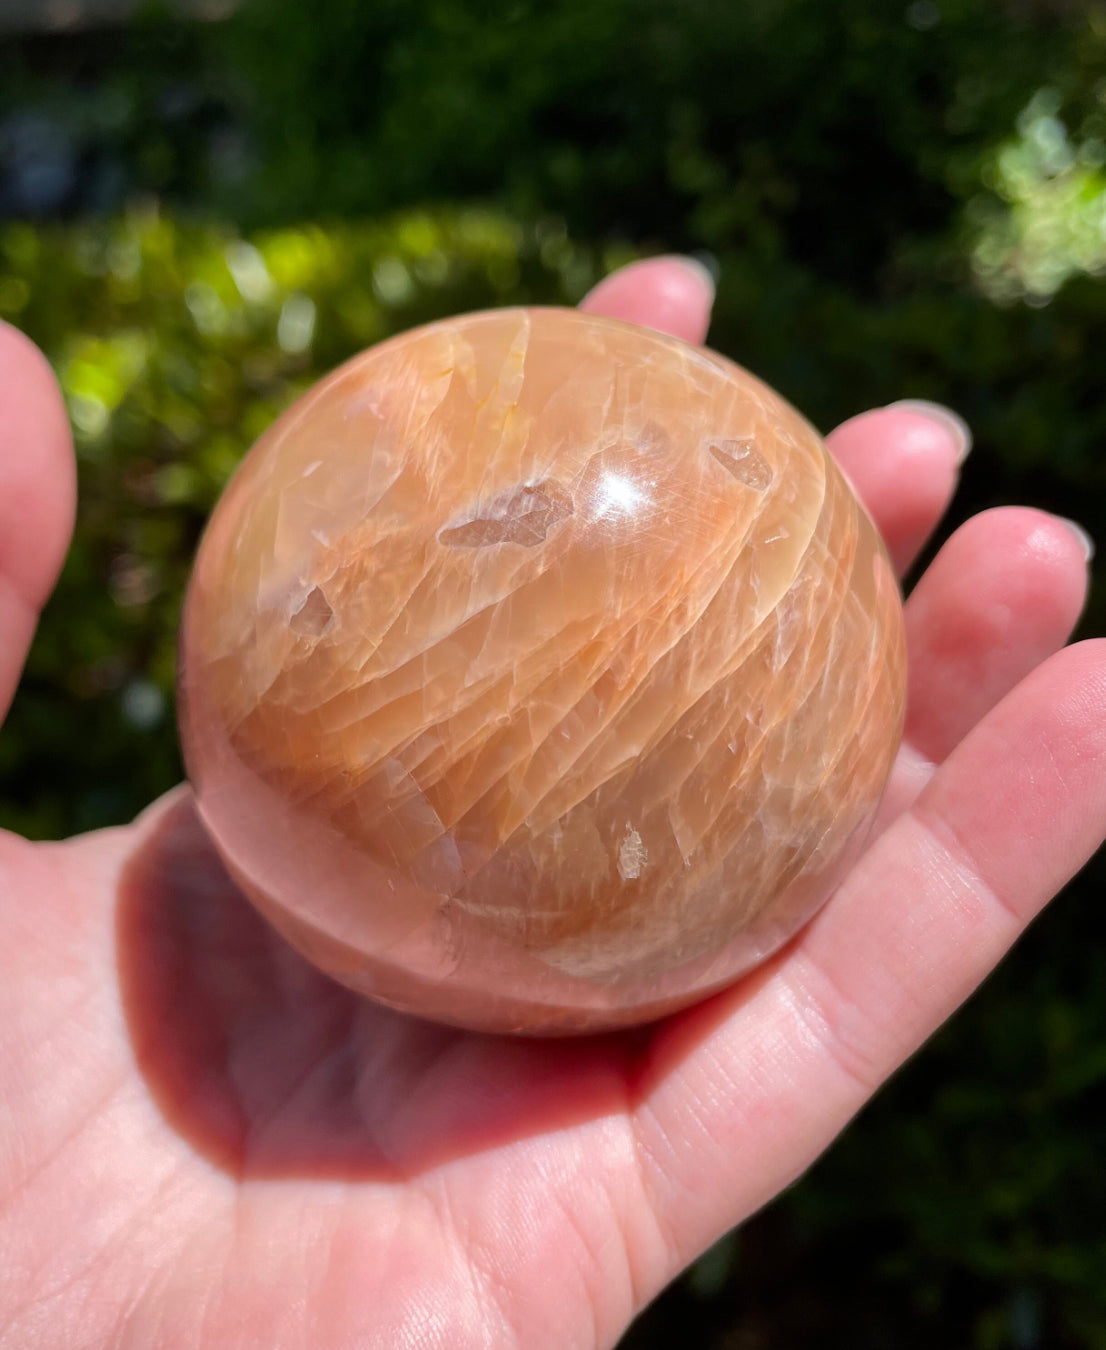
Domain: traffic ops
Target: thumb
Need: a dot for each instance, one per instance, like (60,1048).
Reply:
(37,497)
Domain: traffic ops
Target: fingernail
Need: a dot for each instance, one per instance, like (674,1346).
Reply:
(701,269)
(1085,540)
(939,413)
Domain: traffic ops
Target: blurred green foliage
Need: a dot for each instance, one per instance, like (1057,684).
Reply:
(901,200)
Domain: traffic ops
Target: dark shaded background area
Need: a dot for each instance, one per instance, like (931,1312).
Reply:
(197,219)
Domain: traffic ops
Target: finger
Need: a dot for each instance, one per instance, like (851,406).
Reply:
(37,495)
(1003,594)
(903,462)
(672,294)
(742,1094)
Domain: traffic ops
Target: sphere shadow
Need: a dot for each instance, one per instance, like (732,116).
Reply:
(269,1068)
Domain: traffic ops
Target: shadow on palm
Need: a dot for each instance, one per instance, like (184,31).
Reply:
(269,1068)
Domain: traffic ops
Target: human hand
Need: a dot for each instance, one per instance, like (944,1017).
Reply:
(203,1141)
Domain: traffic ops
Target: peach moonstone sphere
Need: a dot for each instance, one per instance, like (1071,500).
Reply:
(540,673)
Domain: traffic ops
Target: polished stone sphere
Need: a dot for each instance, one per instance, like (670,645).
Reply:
(539,672)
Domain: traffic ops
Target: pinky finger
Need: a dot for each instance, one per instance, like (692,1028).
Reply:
(672,294)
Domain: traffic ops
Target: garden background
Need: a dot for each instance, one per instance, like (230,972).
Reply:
(203,210)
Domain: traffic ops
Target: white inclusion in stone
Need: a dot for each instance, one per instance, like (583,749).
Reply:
(743,460)
(618,495)
(315,464)
(632,856)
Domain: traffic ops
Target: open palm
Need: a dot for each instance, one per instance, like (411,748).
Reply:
(204,1142)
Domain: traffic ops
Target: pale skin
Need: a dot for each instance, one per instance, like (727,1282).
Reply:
(203,1143)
